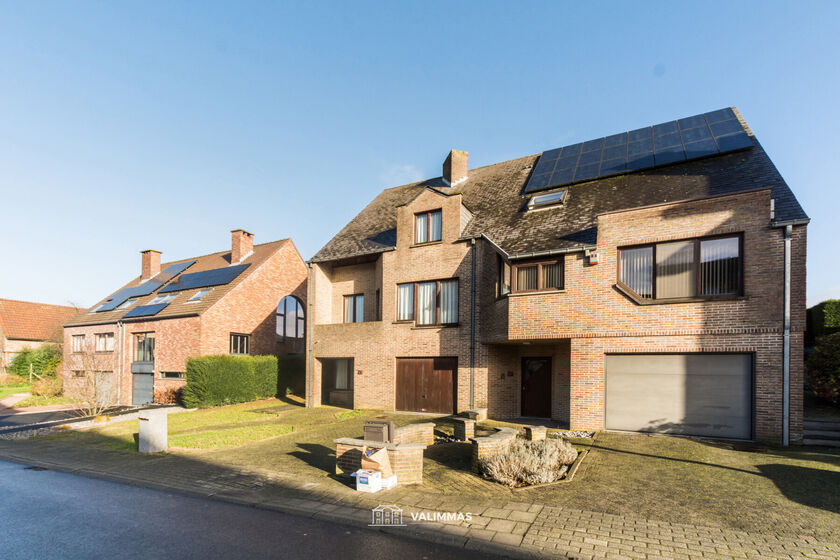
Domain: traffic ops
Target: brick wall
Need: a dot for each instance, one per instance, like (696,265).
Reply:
(406,458)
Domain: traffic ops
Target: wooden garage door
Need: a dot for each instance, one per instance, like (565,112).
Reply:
(426,384)
(691,394)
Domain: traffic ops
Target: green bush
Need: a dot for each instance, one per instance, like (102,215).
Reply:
(47,387)
(291,374)
(824,368)
(220,380)
(44,359)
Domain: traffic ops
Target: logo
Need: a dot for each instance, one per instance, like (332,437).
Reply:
(385,515)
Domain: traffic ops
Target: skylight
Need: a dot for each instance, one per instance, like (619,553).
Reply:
(199,295)
(128,303)
(162,298)
(550,199)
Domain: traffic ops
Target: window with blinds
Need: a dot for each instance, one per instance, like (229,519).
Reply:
(532,277)
(683,269)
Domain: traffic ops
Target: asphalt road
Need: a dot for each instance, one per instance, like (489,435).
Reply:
(49,514)
(24,418)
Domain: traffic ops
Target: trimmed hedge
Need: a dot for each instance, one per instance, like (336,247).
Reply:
(291,374)
(821,320)
(220,380)
(824,368)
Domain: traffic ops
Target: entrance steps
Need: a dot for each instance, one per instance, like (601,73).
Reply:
(821,432)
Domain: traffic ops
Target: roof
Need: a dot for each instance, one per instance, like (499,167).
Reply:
(179,306)
(495,196)
(27,320)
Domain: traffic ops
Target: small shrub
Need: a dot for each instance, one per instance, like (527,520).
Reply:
(824,368)
(529,462)
(221,380)
(47,387)
(167,395)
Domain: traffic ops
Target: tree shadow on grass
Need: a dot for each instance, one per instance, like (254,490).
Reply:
(806,486)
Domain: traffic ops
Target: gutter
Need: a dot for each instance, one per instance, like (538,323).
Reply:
(310,321)
(550,252)
(472,327)
(786,344)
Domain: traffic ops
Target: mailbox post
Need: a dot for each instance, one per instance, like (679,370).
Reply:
(153,431)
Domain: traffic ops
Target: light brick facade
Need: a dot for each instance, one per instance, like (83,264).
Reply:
(577,326)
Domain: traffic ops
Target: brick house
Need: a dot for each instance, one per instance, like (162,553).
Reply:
(134,344)
(635,282)
(26,324)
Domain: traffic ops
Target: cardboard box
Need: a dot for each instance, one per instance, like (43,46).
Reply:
(390,482)
(368,481)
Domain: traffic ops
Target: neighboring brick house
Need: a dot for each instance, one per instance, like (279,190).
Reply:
(135,343)
(26,324)
(634,282)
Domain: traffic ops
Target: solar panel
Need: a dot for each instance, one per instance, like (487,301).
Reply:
(205,278)
(694,137)
(145,310)
(145,288)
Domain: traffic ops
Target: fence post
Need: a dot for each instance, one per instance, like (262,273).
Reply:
(30,372)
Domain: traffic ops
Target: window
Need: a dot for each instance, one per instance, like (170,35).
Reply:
(162,298)
(532,277)
(105,342)
(240,344)
(354,308)
(431,303)
(78,373)
(543,200)
(290,321)
(405,302)
(342,374)
(144,347)
(503,285)
(128,303)
(427,227)
(378,302)
(683,269)
(78,343)
(199,295)
(172,375)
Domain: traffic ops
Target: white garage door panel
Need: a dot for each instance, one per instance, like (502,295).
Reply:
(693,394)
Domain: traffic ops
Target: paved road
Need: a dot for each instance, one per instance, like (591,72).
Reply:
(49,514)
(24,418)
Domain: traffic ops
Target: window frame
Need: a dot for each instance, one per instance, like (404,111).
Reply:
(428,214)
(169,375)
(196,298)
(698,296)
(503,265)
(162,298)
(81,346)
(355,310)
(240,337)
(514,270)
(415,293)
(126,304)
(300,320)
(103,336)
(146,335)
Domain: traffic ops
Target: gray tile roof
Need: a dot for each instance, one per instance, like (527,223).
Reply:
(494,194)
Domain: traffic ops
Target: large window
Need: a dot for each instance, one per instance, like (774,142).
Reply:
(144,347)
(105,342)
(683,269)
(78,343)
(354,308)
(290,321)
(538,276)
(427,227)
(429,303)
(240,344)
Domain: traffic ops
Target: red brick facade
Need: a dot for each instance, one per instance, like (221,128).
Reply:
(248,308)
(577,326)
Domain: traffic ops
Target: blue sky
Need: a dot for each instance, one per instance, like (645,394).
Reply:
(135,125)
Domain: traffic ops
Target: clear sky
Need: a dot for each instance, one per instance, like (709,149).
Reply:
(134,125)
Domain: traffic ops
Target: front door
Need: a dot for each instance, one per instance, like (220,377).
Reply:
(536,387)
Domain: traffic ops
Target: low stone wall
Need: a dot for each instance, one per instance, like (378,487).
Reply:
(489,445)
(406,458)
(535,433)
(477,414)
(416,433)
(464,428)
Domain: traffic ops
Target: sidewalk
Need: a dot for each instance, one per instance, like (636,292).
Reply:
(501,526)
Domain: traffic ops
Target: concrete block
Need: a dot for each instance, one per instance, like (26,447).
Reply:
(153,431)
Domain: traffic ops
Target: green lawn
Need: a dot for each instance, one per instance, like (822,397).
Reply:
(6,390)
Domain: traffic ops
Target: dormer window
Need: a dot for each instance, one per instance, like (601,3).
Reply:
(544,200)
(427,227)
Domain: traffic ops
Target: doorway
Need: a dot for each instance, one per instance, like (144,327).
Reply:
(536,387)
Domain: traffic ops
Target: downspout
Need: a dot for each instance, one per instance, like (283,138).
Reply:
(121,336)
(310,321)
(472,328)
(786,345)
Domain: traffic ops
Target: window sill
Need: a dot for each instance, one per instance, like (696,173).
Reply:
(426,244)
(103,352)
(447,326)
(630,294)
(534,293)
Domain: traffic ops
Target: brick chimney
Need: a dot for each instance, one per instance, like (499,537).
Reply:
(455,168)
(150,264)
(242,245)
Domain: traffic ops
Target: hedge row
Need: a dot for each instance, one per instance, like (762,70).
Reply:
(220,380)
(291,374)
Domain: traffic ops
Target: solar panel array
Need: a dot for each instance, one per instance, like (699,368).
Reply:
(205,278)
(145,310)
(145,288)
(694,137)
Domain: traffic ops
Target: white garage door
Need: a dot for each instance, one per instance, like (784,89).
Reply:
(691,394)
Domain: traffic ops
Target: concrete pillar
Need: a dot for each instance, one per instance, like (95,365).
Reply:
(464,428)
(153,431)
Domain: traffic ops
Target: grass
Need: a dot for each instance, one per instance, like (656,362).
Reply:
(37,400)
(351,414)
(6,390)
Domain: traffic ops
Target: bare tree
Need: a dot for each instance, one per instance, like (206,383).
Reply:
(90,379)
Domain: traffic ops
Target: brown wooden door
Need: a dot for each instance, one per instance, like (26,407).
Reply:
(536,387)
(426,384)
